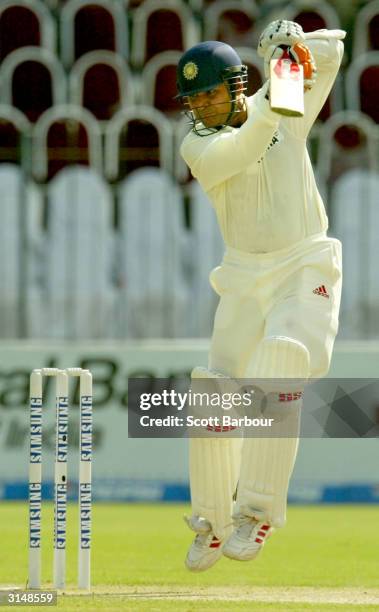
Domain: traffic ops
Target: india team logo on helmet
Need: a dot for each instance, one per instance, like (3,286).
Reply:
(190,71)
(206,65)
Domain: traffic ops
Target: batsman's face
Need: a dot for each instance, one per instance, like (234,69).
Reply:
(212,107)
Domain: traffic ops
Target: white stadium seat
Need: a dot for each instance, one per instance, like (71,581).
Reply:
(10,249)
(78,256)
(19,205)
(153,299)
(354,200)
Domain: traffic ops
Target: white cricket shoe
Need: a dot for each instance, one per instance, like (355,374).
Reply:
(248,537)
(206,549)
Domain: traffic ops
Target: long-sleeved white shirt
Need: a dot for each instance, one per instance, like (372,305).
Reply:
(259,177)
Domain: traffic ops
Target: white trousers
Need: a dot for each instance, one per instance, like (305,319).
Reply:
(293,293)
(275,294)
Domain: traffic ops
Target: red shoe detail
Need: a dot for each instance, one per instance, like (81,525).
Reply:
(215,543)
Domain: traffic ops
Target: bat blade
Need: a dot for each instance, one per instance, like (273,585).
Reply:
(286,87)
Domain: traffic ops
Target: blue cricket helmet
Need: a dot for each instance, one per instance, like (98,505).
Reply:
(206,65)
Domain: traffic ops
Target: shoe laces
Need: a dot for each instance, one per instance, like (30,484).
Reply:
(244,525)
(248,520)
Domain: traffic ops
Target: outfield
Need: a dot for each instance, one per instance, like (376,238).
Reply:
(325,555)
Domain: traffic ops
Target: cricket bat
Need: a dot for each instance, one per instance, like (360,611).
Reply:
(286,87)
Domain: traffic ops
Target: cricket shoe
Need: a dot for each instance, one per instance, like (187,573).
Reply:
(206,549)
(249,535)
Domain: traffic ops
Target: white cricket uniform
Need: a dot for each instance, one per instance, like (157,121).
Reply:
(281,274)
(279,286)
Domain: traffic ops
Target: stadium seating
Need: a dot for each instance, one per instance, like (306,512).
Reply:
(25,23)
(65,135)
(366,29)
(88,25)
(101,82)
(153,297)
(354,199)
(169,26)
(52,118)
(348,180)
(362,84)
(159,83)
(347,140)
(138,137)
(231,22)
(78,250)
(11,248)
(33,80)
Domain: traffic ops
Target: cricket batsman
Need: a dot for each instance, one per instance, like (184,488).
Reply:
(279,282)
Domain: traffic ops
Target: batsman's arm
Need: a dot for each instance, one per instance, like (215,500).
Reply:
(327,49)
(215,158)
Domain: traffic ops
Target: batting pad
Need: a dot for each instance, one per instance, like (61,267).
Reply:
(267,462)
(214,465)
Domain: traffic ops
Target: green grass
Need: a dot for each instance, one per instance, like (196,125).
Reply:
(144,545)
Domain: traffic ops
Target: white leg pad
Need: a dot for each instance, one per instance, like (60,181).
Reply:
(214,465)
(267,463)
(214,469)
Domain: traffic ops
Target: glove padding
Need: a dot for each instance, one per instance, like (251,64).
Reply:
(303,55)
(280,32)
(299,53)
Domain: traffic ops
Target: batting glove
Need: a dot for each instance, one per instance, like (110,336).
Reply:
(280,32)
(303,56)
(299,53)
(277,33)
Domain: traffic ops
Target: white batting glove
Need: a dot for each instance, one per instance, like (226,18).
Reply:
(279,32)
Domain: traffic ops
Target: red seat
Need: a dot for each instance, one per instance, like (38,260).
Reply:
(19,27)
(65,135)
(89,25)
(94,29)
(25,24)
(101,82)
(170,26)
(135,138)
(33,80)
(310,21)
(32,90)
(366,29)
(67,143)
(346,140)
(164,31)
(13,126)
(311,15)
(231,22)
(362,84)
(159,83)
(369,92)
